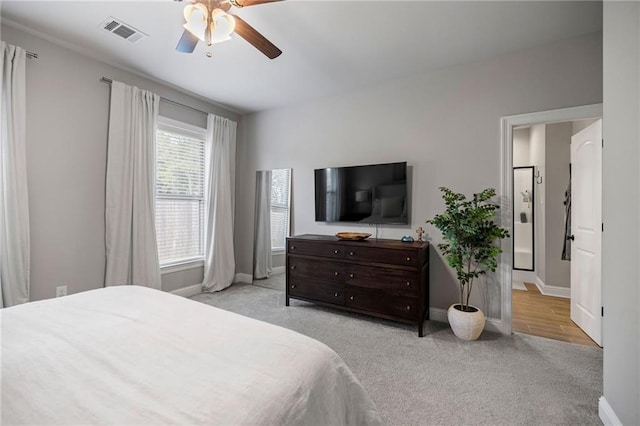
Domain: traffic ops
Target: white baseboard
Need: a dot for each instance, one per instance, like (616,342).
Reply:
(606,413)
(524,276)
(440,315)
(243,278)
(188,291)
(552,290)
(192,290)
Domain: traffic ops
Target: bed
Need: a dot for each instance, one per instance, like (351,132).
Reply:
(133,355)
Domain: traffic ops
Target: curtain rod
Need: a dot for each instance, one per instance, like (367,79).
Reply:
(31,55)
(169,101)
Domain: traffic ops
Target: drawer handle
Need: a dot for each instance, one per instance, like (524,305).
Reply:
(293,267)
(335,251)
(336,273)
(351,253)
(408,308)
(293,286)
(293,247)
(351,298)
(351,275)
(408,284)
(337,294)
(408,259)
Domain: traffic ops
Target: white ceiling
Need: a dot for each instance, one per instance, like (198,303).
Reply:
(329,46)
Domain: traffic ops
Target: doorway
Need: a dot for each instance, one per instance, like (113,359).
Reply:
(536,281)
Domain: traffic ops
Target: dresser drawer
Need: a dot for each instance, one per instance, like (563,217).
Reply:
(380,255)
(382,302)
(319,269)
(335,251)
(316,290)
(392,280)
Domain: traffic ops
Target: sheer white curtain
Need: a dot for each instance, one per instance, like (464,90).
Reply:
(220,265)
(132,252)
(14,200)
(262,259)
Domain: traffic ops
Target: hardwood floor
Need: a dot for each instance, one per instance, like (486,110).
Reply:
(545,316)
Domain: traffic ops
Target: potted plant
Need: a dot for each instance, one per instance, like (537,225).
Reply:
(470,235)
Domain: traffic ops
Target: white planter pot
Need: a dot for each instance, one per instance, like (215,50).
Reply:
(466,325)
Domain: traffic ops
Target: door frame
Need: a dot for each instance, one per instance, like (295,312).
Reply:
(507,123)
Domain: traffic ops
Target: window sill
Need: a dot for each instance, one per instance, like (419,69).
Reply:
(278,251)
(183,266)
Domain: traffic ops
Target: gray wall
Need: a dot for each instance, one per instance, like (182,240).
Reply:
(279,260)
(67,121)
(557,159)
(621,200)
(578,125)
(445,124)
(521,157)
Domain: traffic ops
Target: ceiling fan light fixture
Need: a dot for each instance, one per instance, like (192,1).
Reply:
(222,25)
(208,21)
(196,17)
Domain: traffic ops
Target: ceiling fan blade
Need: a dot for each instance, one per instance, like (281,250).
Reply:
(187,43)
(246,3)
(258,41)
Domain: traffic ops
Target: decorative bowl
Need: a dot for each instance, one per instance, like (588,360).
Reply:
(352,235)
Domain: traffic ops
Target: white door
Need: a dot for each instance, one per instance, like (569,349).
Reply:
(586,230)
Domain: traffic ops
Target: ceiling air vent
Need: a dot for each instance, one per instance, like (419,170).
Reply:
(125,31)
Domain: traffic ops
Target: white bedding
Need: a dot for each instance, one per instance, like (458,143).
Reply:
(132,355)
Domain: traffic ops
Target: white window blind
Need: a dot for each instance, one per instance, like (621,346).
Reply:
(280,186)
(180,194)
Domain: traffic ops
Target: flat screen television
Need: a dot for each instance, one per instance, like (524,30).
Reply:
(375,194)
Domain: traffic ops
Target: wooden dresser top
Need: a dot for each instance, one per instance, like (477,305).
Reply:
(378,242)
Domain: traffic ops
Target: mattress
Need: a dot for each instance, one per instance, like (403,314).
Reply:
(133,355)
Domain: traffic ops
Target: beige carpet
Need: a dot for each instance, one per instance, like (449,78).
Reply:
(440,379)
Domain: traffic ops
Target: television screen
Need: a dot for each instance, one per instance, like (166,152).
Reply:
(367,194)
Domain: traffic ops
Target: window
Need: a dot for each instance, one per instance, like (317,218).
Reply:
(180,192)
(280,184)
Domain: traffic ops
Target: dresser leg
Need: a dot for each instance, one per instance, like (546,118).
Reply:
(420,329)
(286,301)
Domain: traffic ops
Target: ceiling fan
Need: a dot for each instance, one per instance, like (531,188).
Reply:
(208,21)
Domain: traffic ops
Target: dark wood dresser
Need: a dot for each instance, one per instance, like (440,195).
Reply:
(383,278)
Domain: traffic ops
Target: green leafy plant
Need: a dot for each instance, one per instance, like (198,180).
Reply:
(470,236)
